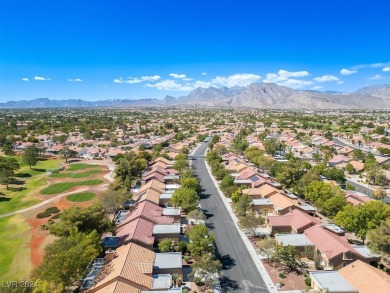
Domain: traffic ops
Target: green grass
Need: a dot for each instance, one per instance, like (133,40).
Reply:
(76,167)
(81,197)
(21,195)
(61,187)
(75,175)
(15,263)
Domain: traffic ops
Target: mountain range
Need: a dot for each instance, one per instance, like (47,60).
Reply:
(255,95)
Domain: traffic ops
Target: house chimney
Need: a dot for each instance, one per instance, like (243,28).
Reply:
(110,255)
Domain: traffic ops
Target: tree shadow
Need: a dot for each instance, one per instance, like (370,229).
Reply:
(210,226)
(18,182)
(21,188)
(227,262)
(5,199)
(207,214)
(39,169)
(228,284)
(23,175)
(205,195)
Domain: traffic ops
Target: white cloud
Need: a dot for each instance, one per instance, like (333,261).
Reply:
(347,72)
(170,85)
(377,77)
(180,76)
(372,65)
(133,80)
(295,83)
(240,79)
(283,77)
(75,79)
(386,69)
(318,87)
(25,79)
(175,75)
(340,82)
(219,81)
(326,78)
(116,80)
(41,78)
(204,73)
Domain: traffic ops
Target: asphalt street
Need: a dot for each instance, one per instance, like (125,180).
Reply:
(239,272)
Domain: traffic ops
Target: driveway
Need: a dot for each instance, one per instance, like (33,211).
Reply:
(239,272)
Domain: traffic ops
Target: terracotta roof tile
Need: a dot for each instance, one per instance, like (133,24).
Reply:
(366,278)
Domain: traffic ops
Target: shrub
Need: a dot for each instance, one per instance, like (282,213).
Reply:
(281,284)
(182,247)
(53,210)
(43,215)
(56,216)
(282,275)
(308,281)
(185,290)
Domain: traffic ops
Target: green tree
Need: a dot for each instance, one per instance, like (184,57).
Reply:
(67,153)
(252,153)
(67,257)
(215,139)
(266,247)
(362,218)
(7,149)
(291,172)
(376,175)
(8,166)
(165,245)
(250,222)
(236,195)
(180,164)
(379,238)
(196,214)
(244,205)
(114,198)
(327,197)
(31,155)
(191,183)
(185,198)
(350,169)
(129,168)
(271,145)
(312,175)
(221,149)
(286,256)
(84,220)
(369,162)
(201,241)
(334,174)
(227,181)
(205,268)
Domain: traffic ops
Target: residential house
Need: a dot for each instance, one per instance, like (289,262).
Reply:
(336,251)
(295,221)
(330,281)
(366,278)
(133,269)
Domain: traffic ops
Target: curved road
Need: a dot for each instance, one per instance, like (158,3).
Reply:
(239,273)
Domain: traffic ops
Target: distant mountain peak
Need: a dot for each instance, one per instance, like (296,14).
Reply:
(255,95)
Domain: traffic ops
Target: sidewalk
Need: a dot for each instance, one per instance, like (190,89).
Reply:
(256,258)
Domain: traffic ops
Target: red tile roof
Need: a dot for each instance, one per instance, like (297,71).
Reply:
(148,211)
(138,230)
(296,219)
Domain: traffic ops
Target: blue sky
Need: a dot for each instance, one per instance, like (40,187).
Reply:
(147,49)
